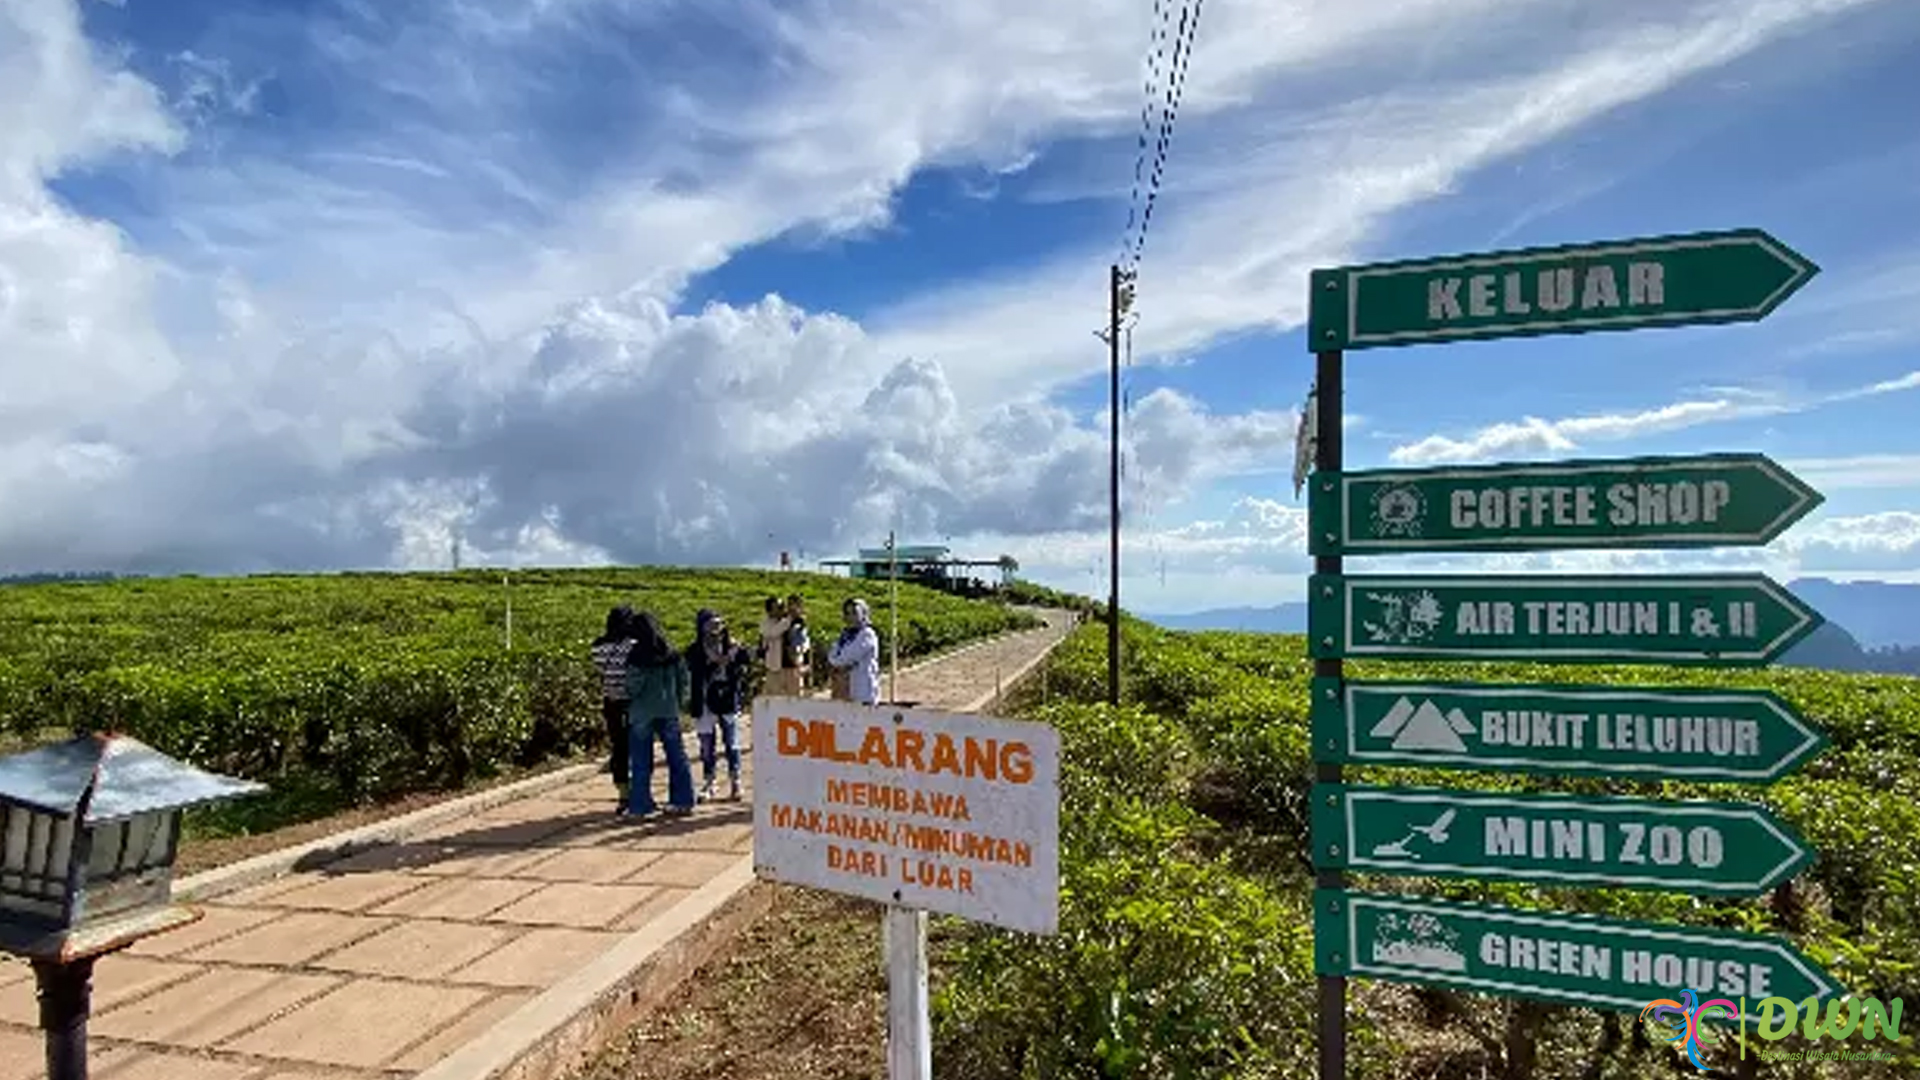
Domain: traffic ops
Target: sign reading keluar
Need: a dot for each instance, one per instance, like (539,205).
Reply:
(946,812)
(1730,849)
(1652,502)
(1732,620)
(1692,280)
(1690,733)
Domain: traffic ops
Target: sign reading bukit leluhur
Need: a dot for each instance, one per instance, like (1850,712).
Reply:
(1690,733)
(946,812)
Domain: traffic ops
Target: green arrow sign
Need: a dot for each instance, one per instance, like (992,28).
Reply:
(1732,620)
(1713,277)
(1652,502)
(1570,959)
(1730,849)
(1748,736)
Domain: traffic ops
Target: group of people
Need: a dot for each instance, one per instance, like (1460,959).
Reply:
(645,684)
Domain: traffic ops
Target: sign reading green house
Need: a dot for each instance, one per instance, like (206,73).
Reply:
(1732,620)
(1694,733)
(1697,279)
(1650,502)
(1730,849)
(1551,956)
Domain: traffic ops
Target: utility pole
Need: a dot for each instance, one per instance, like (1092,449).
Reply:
(1119,298)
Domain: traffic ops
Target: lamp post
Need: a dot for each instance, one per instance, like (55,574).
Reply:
(89,831)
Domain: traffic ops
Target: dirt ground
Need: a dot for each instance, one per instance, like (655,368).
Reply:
(799,996)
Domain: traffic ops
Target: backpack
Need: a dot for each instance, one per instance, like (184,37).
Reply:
(722,692)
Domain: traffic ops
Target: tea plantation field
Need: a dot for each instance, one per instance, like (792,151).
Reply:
(1185,940)
(338,689)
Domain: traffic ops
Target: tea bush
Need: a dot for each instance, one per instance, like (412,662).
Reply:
(1184,865)
(368,686)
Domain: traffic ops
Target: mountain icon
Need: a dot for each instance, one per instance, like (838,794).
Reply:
(1423,727)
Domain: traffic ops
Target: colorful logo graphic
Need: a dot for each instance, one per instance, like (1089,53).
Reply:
(1679,1022)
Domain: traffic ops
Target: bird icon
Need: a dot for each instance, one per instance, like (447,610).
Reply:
(1437,832)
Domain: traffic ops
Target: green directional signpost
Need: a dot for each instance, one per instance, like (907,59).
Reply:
(1550,956)
(1692,280)
(1729,849)
(1653,502)
(1644,733)
(1703,735)
(1727,620)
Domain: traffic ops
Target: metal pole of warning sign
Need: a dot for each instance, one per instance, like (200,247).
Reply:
(903,937)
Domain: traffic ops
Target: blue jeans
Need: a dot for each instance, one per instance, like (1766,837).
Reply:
(727,728)
(679,770)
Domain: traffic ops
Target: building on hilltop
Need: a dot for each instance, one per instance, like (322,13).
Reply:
(932,565)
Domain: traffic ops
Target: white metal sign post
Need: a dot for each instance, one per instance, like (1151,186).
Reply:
(918,809)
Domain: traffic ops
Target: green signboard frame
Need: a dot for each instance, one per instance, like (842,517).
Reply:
(1692,846)
(1614,731)
(1703,500)
(1722,620)
(1695,279)
(1429,935)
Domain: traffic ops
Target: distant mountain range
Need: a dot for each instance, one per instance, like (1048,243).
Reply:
(1871,625)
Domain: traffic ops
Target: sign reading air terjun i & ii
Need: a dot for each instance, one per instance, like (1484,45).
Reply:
(1730,620)
(1701,278)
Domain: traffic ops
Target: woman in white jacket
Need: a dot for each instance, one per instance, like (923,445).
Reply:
(858,652)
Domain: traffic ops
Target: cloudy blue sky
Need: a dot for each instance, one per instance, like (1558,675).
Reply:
(323,283)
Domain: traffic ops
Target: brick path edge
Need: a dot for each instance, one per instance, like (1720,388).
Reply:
(273,864)
(558,1032)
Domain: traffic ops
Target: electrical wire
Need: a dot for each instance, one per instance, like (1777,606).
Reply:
(1150,95)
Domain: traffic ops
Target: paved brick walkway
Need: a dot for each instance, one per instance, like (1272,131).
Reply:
(383,963)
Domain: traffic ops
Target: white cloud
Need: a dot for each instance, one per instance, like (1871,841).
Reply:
(347,338)
(1257,556)
(1533,435)
(1285,189)
(1864,471)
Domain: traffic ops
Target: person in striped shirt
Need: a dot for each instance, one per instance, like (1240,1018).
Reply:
(610,657)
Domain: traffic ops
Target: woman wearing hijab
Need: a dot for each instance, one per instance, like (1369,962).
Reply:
(656,685)
(857,652)
(719,670)
(610,657)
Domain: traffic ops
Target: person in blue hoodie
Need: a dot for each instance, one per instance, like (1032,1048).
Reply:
(857,652)
(718,667)
(657,684)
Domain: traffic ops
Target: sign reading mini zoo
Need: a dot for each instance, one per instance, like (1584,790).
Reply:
(1645,733)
